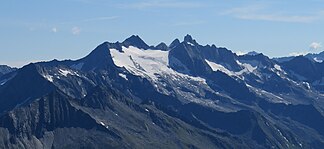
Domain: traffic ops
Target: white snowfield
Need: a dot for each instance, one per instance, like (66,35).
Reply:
(147,63)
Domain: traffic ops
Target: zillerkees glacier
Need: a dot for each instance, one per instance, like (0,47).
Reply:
(183,95)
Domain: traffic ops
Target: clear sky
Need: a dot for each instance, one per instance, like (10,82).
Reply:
(33,30)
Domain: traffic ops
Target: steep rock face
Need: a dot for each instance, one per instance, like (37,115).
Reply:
(304,67)
(186,59)
(262,60)
(99,58)
(235,89)
(221,56)
(268,75)
(174,43)
(6,69)
(306,115)
(46,114)
(26,85)
(44,118)
(252,125)
(188,39)
(316,57)
(306,70)
(101,98)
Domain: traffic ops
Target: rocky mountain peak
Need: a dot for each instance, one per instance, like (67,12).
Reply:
(135,41)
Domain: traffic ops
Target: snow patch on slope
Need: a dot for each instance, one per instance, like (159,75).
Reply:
(218,67)
(278,70)
(277,67)
(3,82)
(123,76)
(67,72)
(48,77)
(317,60)
(247,68)
(51,75)
(190,43)
(103,124)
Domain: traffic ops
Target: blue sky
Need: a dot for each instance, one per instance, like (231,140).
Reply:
(33,30)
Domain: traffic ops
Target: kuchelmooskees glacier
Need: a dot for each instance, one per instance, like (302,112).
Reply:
(131,95)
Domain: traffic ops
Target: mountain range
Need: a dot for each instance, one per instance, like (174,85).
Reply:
(183,95)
